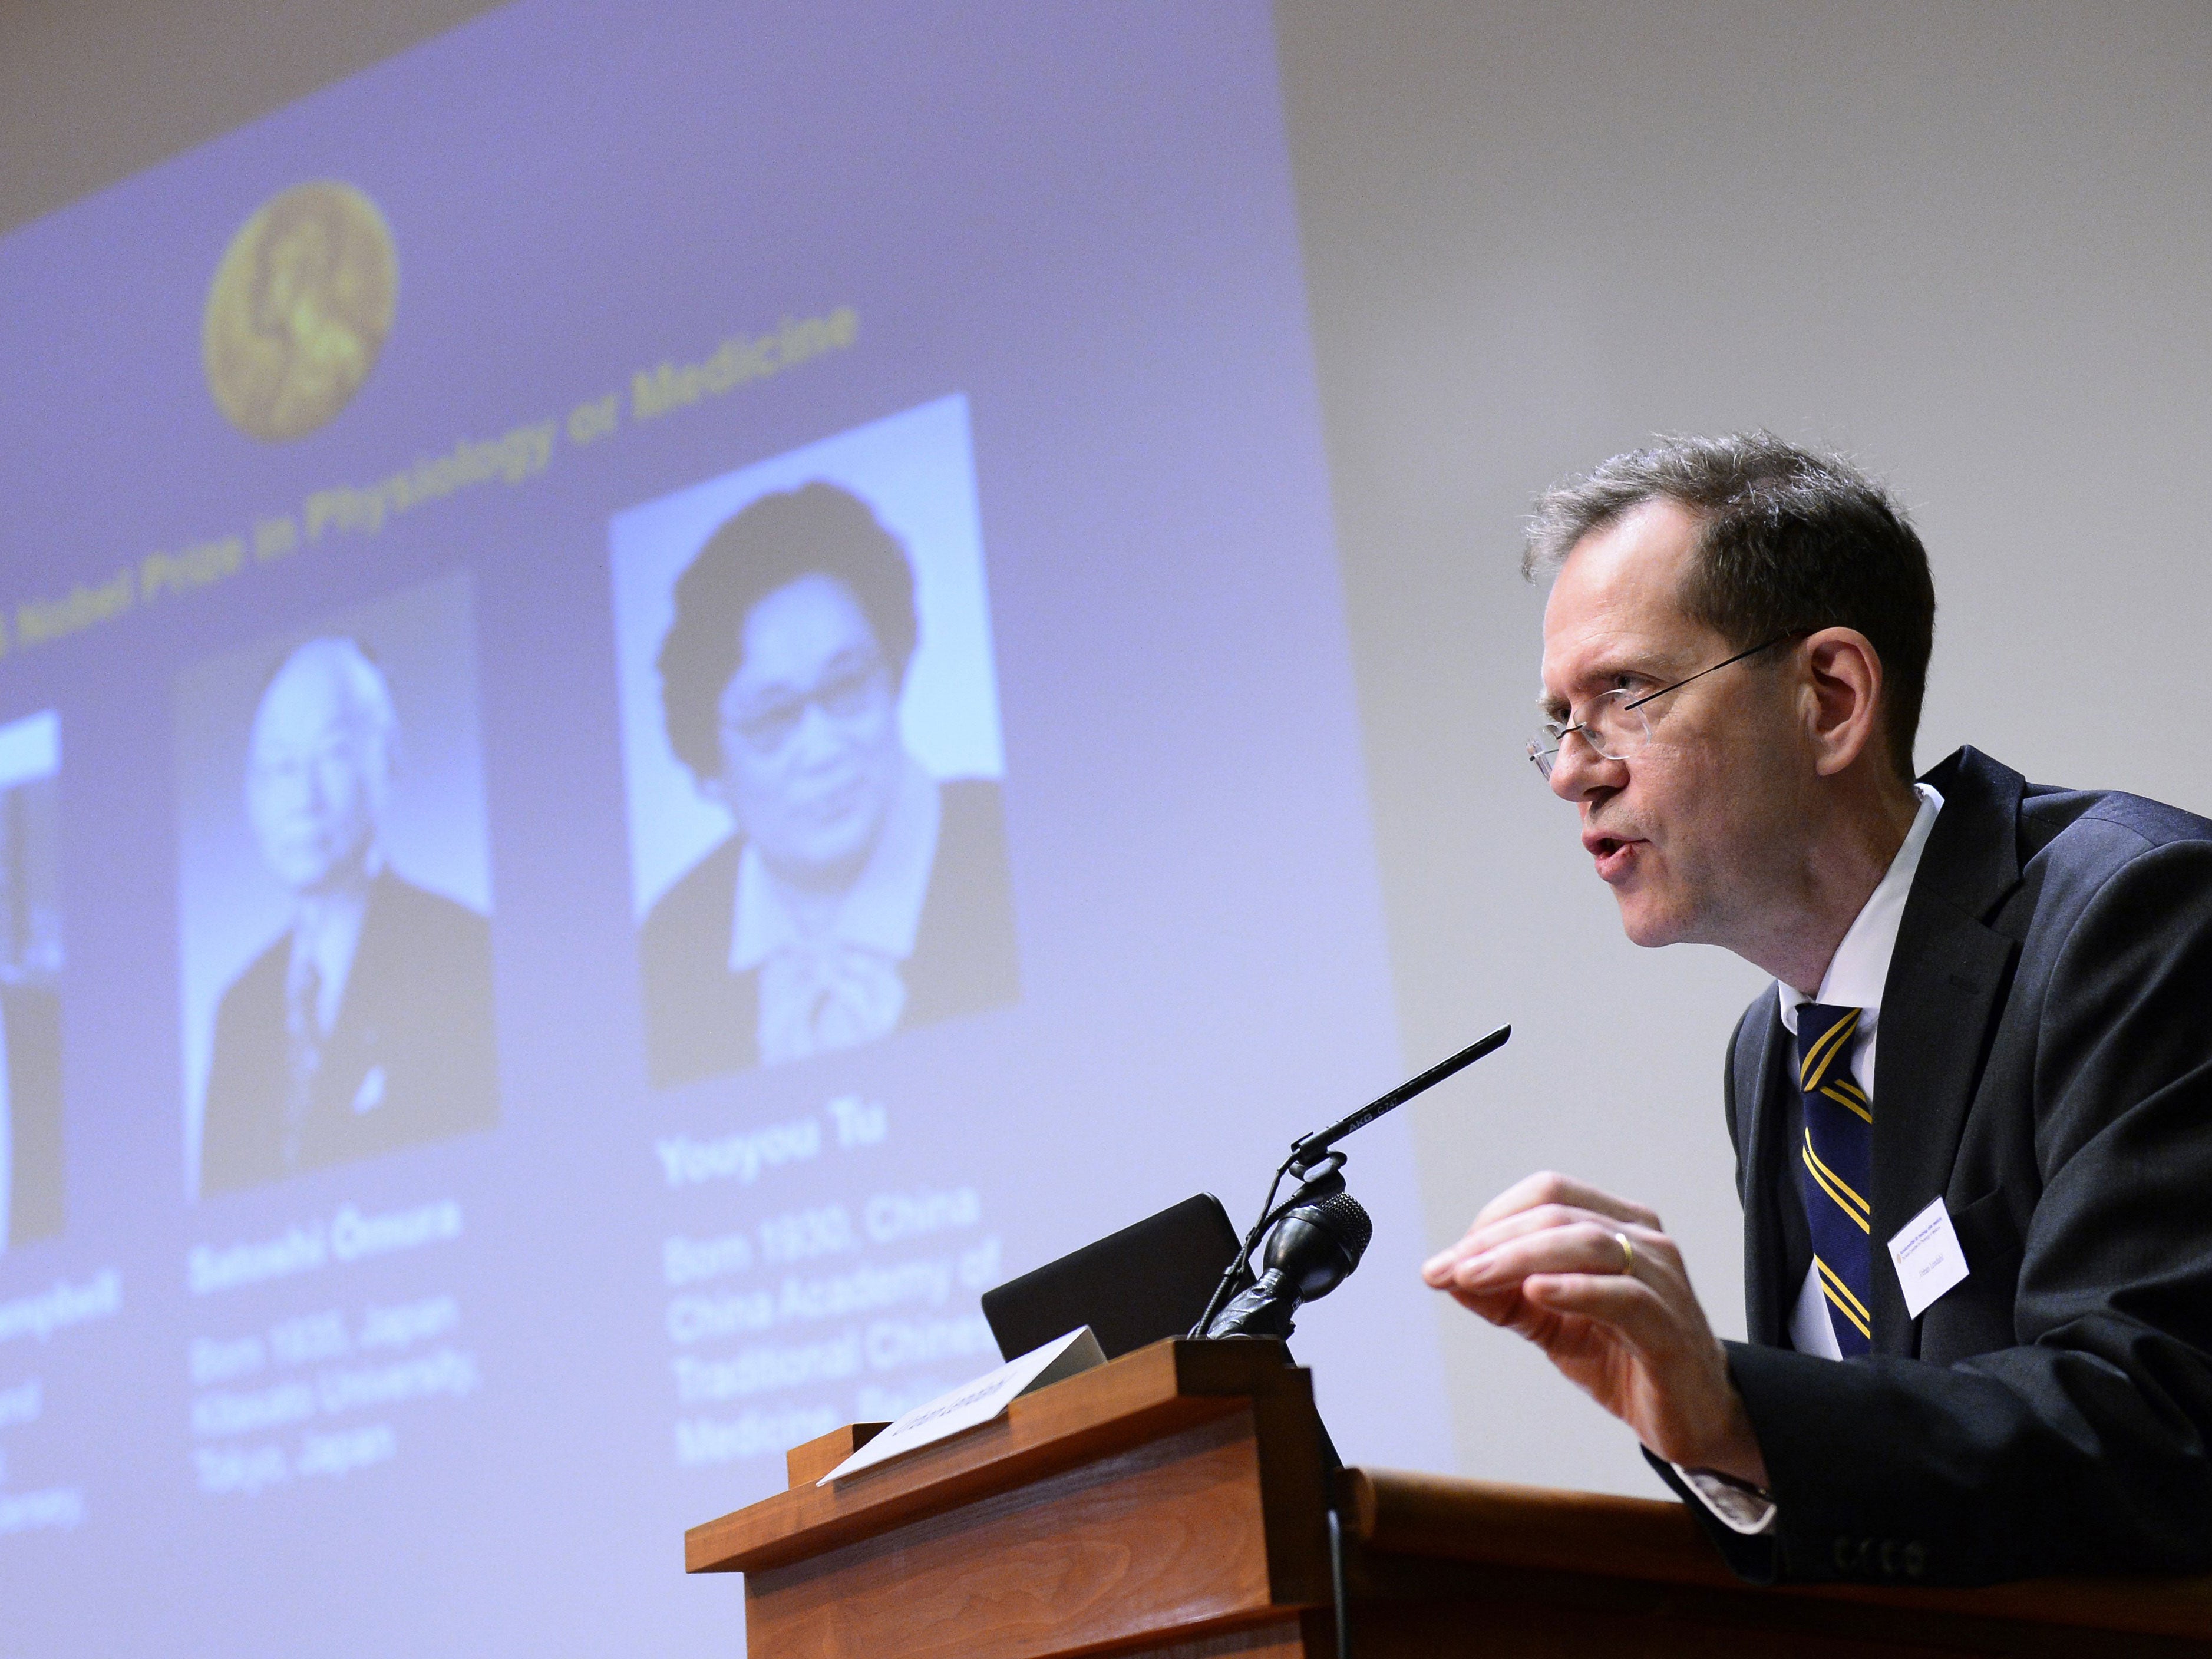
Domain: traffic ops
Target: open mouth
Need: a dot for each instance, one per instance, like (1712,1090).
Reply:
(1613,855)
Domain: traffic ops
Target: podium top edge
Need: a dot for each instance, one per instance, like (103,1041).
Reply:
(1155,1390)
(1394,1512)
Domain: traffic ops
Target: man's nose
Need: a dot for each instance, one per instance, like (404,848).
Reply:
(292,785)
(1579,771)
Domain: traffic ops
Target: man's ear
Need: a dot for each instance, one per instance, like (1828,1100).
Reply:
(1843,677)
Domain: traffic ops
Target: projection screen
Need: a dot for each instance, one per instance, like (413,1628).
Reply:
(496,554)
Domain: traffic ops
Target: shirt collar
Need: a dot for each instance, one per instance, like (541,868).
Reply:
(882,909)
(1860,967)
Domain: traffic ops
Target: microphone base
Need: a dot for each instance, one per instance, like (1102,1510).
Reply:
(1265,1309)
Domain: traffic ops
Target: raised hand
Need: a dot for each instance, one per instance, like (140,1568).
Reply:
(1595,1281)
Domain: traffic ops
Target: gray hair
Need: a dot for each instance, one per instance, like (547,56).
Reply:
(369,714)
(367,694)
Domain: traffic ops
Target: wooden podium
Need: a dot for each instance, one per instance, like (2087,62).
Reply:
(1172,1503)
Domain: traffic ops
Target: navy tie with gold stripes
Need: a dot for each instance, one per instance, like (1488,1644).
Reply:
(1838,1161)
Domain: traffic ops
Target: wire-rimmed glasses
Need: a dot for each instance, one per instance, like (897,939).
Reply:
(1613,724)
(847,693)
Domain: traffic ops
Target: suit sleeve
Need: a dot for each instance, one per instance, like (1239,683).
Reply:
(2084,1447)
(1751,1556)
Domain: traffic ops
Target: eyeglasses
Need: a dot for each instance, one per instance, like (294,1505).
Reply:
(844,695)
(1613,724)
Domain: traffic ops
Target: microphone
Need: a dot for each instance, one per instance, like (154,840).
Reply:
(1307,1150)
(1320,1231)
(1313,1250)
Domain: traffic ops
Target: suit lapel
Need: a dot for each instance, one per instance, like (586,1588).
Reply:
(355,1042)
(1945,990)
(1760,1104)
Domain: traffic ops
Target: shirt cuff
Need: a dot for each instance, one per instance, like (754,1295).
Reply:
(1739,1507)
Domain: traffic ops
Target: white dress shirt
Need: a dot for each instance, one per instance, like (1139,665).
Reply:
(325,934)
(1855,977)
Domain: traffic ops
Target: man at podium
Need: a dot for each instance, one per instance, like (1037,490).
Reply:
(1978,1272)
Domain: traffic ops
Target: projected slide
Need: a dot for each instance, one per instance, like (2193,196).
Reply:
(671,694)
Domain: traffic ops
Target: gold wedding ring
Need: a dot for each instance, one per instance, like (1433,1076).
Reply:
(1627,1254)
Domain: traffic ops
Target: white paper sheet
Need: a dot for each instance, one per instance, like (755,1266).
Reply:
(975,1402)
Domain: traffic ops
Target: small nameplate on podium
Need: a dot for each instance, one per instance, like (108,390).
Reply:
(975,1402)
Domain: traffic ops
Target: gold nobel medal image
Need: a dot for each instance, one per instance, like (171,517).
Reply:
(299,310)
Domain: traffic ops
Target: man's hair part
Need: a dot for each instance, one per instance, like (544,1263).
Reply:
(1793,540)
(818,530)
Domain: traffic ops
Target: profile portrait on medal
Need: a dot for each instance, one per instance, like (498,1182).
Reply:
(335,895)
(298,310)
(32,1199)
(813,751)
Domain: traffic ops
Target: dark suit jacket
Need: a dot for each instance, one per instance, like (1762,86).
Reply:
(409,1056)
(34,1018)
(2045,1066)
(703,1020)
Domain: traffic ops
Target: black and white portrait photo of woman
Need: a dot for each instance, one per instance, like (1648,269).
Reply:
(854,891)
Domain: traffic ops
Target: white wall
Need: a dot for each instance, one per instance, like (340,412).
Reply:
(1970,243)
(92,91)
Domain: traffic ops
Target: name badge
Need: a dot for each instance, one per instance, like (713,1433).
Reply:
(1927,1257)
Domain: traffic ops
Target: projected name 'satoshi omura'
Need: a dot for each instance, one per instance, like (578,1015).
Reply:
(299,310)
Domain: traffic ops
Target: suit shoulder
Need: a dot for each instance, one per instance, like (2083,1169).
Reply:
(965,957)
(2156,822)
(30,1007)
(715,876)
(970,878)
(2102,827)
(702,901)
(261,979)
(972,803)
(974,828)
(420,910)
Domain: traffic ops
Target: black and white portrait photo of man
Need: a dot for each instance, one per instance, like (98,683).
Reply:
(366,1024)
(854,893)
